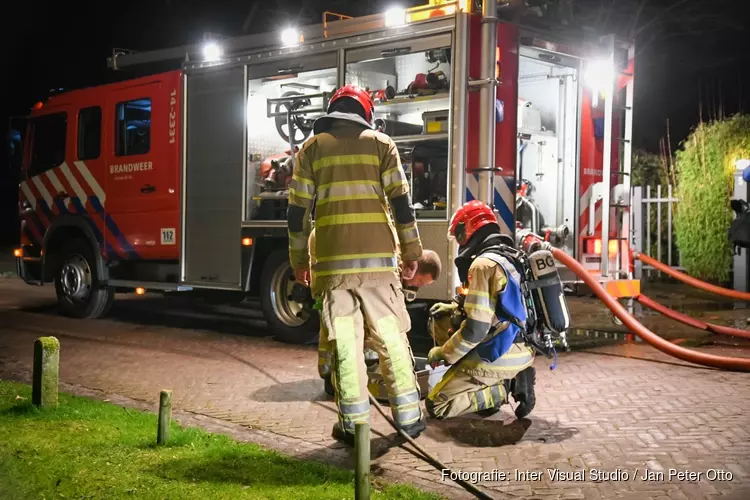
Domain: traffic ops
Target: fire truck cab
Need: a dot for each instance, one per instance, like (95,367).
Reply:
(179,181)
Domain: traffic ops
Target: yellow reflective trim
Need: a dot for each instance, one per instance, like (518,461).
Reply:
(490,400)
(350,183)
(509,355)
(346,360)
(302,180)
(300,194)
(353,160)
(479,308)
(460,344)
(394,185)
(471,364)
(335,220)
(449,375)
(402,370)
(331,199)
(478,293)
(390,171)
(355,271)
(356,256)
(392,176)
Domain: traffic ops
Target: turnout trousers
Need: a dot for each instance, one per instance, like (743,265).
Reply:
(473,385)
(376,317)
(325,351)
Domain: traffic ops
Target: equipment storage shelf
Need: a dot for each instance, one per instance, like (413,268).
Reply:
(401,105)
(411,139)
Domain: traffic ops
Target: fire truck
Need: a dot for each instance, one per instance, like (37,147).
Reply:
(178,181)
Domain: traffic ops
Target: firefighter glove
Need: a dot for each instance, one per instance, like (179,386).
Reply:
(435,355)
(442,309)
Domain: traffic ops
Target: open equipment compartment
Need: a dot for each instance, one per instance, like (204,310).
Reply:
(282,96)
(413,103)
(547,145)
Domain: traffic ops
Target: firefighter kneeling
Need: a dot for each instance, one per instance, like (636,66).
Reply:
(489,360)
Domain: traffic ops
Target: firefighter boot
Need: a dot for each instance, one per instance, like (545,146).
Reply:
(340,434)
(522,389)
(328,384)
(415,429)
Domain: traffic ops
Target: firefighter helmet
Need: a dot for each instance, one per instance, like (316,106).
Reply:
(358,94)
(468,219)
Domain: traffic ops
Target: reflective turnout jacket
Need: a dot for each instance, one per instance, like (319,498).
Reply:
(481,343)
(355,176)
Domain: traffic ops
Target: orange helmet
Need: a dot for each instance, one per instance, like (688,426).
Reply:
(359,95)
(468,219)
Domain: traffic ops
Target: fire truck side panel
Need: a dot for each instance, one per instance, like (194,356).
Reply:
(215,165)
(140,171)
(506,113)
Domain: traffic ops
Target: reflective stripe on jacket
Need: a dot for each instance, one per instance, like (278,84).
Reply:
(353,174)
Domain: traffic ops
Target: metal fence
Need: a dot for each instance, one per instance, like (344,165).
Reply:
(653,227)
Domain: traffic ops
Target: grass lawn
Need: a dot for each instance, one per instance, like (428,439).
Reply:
(92,449)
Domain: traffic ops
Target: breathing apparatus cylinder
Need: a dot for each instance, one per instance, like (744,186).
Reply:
(547,292)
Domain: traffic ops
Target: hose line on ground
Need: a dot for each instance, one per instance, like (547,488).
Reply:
(694,322)
(699,358)
(427,457)
(689,280)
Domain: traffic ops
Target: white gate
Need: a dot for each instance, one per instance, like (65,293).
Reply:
(653,227)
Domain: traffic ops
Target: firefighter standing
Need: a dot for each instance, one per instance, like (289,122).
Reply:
(428,270)
(349,170)
(488,361)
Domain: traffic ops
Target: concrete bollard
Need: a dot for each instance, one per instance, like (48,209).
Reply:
(362,464)
(165,417)
(46,375)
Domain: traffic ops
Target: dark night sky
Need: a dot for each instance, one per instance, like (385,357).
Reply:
(65,44)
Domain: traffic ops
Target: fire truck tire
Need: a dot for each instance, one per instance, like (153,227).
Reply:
(79,294)
(280,311)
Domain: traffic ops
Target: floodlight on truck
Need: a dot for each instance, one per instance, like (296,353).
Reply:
(395,16)
(212,51)
(290,37)
(599,75)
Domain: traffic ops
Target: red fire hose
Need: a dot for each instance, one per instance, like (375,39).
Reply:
(708,287)
(699,358)
(696,323)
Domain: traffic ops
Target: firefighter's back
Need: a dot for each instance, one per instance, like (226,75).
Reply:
(355,246)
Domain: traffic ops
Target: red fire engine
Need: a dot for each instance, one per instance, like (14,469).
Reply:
(179,180)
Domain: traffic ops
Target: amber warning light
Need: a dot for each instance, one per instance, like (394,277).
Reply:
(247,242)
(18,252)
(140,291)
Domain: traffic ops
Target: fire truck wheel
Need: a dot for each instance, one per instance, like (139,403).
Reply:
(287,318)
(79,294)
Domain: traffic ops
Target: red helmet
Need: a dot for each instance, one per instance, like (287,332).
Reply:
(468,219)
(359,95)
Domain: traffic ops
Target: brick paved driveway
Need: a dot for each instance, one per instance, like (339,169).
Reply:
(600,409)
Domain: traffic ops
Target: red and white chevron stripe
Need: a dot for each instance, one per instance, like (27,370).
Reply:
(77,182)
